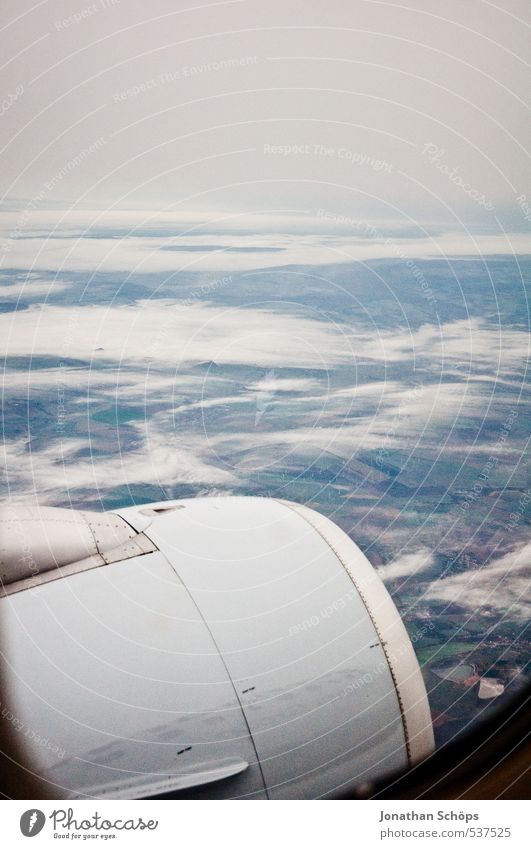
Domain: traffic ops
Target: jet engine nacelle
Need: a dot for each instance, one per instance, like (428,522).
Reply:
(214,647)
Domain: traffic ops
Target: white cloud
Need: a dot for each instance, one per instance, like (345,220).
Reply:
(178,333)
(171,243)
(501,585)
(207,403)
(144,353)
(70,223)
(121,384)
(284,384)
(162,458)
(174,333)
(407,565)
(388,415)
(30,288)
(274,386)
(465,340)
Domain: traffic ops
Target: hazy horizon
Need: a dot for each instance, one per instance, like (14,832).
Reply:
(371,109)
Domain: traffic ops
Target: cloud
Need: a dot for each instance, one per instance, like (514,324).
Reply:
(274,386)
(381,416)
(114,382)
(397,404)
(30,288)
(284,384)
(160,459)
(468,341)
(407,565)
(146,354)
(171,244)
(175,334)
(501,586)
(168,449)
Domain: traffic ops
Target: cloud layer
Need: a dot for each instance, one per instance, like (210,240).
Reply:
(142,244)
(500,586)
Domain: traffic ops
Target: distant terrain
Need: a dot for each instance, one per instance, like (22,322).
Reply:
(402,416)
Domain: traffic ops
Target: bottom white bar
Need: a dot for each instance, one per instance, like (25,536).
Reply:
(263,825)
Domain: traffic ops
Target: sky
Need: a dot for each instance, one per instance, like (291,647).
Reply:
(411,112)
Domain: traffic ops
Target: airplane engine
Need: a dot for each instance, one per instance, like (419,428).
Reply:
(219,647)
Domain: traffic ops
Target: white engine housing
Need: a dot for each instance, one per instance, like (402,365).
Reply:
(223,647)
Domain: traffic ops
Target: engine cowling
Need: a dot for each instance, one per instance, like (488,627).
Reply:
(239,647)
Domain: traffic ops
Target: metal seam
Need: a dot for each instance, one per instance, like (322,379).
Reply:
(223,662)
(373,620)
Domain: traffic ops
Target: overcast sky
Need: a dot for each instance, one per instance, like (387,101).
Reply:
(352,106)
